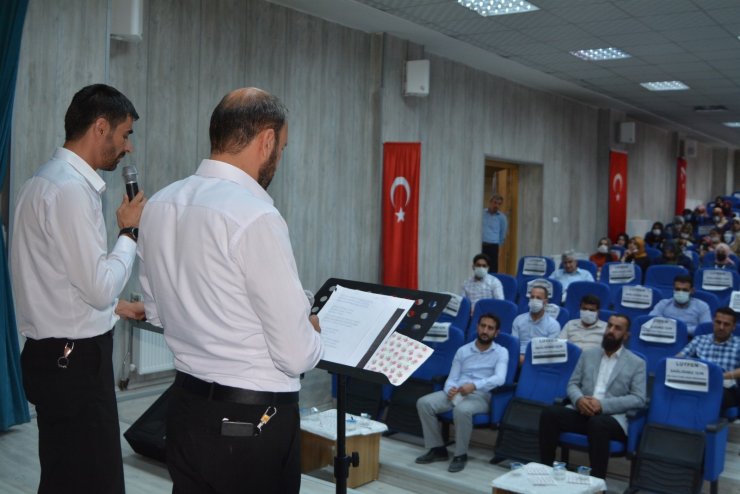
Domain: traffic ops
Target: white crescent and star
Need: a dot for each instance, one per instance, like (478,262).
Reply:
(617,185)
(400,182)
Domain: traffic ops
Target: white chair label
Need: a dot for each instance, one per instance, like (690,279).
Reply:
(716,280)
(637,297)
(540,281)
(621,273)
(659,330)
(438,333)
(688,375)
(453,306)
(735,301)
(534,266)
(549,351)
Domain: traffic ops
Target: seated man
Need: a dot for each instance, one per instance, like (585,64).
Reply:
(481,284)
(588,331)
(537,322)
(570,272)
(683,306)
(721,347)
(477,368)
(606,383)
(672,255)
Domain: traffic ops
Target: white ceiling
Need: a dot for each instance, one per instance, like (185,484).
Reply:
(694,41)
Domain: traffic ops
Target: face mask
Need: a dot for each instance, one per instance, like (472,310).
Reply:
(535,305)
(716,219)
(656,231)
(589,317)
(728,237)
(721,256)
(687,218)
(715,240)
(603,249)
(681,297)
(684,235)
(480,272)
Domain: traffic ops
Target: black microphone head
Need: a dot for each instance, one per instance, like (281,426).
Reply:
(129,173)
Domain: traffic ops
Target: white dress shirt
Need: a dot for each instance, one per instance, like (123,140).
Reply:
(606,367)
(65,283)
(218,274)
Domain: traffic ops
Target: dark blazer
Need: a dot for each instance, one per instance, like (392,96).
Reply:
(626,387)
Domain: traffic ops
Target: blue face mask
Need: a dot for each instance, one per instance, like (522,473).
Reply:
(680,297)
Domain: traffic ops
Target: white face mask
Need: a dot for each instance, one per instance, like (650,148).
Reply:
(656,231)
(480,272)
(589,317)
(681,297)
(728,237)
(535,305)
(603,249)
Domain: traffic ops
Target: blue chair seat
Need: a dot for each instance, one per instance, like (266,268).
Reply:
(580,441)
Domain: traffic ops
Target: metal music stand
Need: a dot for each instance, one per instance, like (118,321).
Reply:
(415,324)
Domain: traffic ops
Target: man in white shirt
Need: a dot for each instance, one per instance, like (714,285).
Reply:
(536,323)
(570,272)
(606,383)
(66,288)
(218,273)
(481,284)
(587,331)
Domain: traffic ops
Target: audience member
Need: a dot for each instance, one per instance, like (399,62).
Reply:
(672,255)
(607,383)
(719,219)
(672,229)
(683,306)
(636,254)
(477,368)
(735,231)
(587,331)
(622,240)
(537,322)
(495,226)
(603,254)
(570,272)
(721,347)
(481,284)
(686,235)
(722,259)
(656,236)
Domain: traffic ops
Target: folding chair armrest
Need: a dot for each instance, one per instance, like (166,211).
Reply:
(714,454)
(635,423)
(504,388)
(562,401)
(716,427)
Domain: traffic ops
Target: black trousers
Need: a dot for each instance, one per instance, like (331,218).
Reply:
(79,435)
(600,429)
(202,461)
(491,250)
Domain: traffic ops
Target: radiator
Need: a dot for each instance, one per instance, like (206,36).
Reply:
(151,353)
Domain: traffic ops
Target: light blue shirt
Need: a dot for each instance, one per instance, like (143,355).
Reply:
(486,370)
(566,279)
(494,227)
(525,329)
(693,313)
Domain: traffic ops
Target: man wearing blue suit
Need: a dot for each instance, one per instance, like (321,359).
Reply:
(606,383)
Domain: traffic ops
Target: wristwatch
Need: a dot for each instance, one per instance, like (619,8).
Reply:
(130,231)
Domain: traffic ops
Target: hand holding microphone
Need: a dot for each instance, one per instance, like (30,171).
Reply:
(129,212)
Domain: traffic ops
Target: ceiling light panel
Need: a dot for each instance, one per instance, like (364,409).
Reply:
(733,125)
(488,8)
(598,54)
(664,86)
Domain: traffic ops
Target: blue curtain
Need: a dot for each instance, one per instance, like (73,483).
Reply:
(13,404)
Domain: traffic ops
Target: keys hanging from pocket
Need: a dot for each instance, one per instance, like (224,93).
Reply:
(63,361)
(266,416)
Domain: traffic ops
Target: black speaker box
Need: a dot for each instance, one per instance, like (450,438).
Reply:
(148,435)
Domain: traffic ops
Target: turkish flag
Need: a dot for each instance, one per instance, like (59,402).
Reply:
(401,166)
(617,193)
(680,185)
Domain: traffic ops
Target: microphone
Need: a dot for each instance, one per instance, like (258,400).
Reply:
(130,178)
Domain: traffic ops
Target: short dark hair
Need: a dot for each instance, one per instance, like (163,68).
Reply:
(684,278)
(92,102)
(625,317)
(484,257)
(492,316)
(729,312)
(238,120)
(591,299)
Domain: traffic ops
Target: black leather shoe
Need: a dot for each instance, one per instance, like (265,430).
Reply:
(434,454)
(458,463)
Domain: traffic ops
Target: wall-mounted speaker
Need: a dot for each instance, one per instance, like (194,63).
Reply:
(690,148)
(416,78)
(127,20)
(627,132)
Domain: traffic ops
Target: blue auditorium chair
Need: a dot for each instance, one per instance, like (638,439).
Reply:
(586,265)
(505,310)
(709,258)
(522,278)
(616,283)
(684,439)
(711,299)
(634,312)
(662,275)
(509,284)
(654,351)
(539,385)
(702,282)
(462,319)
(578,289)
(653,253)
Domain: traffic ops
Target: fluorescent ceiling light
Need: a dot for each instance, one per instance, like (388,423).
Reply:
(665,86)
(498,7)
(601,54)
(734,125)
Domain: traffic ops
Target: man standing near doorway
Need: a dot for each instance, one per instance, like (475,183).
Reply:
(495,225)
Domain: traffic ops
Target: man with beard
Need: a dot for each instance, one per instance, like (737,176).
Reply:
(66,287)
(606,383)
(218,273)
(477,368)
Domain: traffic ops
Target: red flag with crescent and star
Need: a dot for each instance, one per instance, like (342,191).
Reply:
(680,186)
(617,193)
(401,166)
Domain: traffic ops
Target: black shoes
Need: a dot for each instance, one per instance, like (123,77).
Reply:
(434,454)
(458,463)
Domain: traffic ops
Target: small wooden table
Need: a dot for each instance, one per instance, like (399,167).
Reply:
(319,438)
